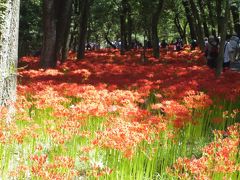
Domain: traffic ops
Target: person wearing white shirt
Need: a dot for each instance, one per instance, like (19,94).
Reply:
(227,53)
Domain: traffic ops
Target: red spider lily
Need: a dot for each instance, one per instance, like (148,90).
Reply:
(2,137)
(218,157)
(123,136)
(40,160)
(197,100)
(107,84)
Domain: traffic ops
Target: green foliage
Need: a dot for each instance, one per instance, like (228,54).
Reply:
(30,31)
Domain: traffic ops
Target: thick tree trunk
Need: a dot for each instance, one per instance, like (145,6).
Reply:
(210,15)
(123,26)
(219,19)
(123,34)
(8,55)
(48,54)
(63,25)
(204,17)
(83,28)
(129,33)
(65,46)
(74,34)
(198,23)
(224,20)
(155,39)
(189,19)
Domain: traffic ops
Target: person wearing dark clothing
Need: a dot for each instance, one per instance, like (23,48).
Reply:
(164,44)
(179,45)
(193,44)
(89,47)
(211,51)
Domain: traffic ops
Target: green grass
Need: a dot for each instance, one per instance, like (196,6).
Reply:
(150,161)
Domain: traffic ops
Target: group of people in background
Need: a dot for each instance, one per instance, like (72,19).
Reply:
(177,45)
(231,50)
(212,49)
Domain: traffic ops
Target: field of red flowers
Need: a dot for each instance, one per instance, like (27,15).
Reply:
(115,117)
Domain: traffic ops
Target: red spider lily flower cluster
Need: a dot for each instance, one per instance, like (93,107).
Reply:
(124,136)
(197,100)
(106,84)
(218,157)
(42,168)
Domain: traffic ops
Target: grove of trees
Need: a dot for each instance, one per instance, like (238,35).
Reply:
(119,89)
(53,27)
(57,26)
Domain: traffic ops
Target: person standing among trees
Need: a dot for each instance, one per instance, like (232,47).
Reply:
(211,51)
(179,44)
(164,44)
(227,53)
(234,42)
(193,44)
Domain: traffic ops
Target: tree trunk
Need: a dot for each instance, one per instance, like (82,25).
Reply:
(123,26)
(210,15)
(230,23)
(224,20)
(8,55)
(83,28)
(198,23)
(74,34)
(219,19)
(204,18)
(65,46)
(155,39)
(63,26)
(122,34)
(181,30)
(236,20)
(48,54)
(129,33)
(189,19)
(110,43)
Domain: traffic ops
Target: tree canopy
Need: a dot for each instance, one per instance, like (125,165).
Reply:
(108,21)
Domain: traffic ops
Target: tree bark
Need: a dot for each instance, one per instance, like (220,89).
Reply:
(204,18)
(74,34)
(8,55)
(66,43)
(210,16)
(48,53)
(219,19)
(155,38)
(123,34)
(224,20)
(189,19)
(198,24)
(181,30)
(109,42)
(129,33)
(83,28)
(123,26)
(63,26)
